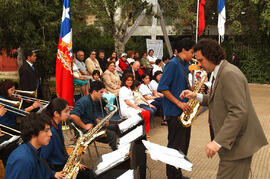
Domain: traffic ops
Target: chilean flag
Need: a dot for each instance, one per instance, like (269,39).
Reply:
(63,71)
(201,16)
(221,18)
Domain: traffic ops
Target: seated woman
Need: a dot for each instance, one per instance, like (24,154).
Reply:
(147,93)
(154,83)
(78,79)
(111,79)
(127,103)
(107,95)
(7,89)
(141,101)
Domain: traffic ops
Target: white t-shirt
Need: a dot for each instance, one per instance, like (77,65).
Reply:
(152,59)
(126,94)
(75,71)
(153,85)
(156,68)
(146,90)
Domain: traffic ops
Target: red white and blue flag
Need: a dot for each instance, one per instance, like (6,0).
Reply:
(201,16)
(221,18)
(63,71)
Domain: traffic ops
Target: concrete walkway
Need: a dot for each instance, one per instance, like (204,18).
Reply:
(205,168)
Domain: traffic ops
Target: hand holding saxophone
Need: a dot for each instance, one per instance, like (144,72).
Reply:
(188,94)
(184,106)
(59,175)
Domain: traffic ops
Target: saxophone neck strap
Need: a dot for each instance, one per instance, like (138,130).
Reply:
(185,73)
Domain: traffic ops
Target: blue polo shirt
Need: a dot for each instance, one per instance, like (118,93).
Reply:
(173,79)
(23,164)
(85,108)
(53,153)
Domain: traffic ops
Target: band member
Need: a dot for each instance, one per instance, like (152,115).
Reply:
(55,152)
(173,81)
(7,89)
(84,113)
(237,133)
(25,161)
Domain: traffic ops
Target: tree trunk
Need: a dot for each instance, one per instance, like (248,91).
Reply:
(119,46)
(20,57)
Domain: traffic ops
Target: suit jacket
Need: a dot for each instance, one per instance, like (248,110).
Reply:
(29,78)
(232,116)
(129,70)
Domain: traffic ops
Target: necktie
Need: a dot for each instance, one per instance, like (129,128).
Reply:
(212,84)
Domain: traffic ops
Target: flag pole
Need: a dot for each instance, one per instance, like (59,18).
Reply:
(197,22)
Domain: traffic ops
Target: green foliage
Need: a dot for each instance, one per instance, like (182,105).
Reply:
(254,61)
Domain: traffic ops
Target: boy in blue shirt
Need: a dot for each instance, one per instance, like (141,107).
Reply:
(25,161)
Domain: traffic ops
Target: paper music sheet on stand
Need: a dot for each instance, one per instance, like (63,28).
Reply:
(111,159)
(130,122)
(131,136)
(168,155)
(127,175)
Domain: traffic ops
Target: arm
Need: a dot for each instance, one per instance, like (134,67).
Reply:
(132,105)
(179,104)
(89,65)
(149,97)
(79,122)
(35,105)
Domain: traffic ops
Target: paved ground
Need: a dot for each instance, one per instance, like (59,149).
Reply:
(205,168)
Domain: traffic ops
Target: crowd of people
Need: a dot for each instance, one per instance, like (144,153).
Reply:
(143,86)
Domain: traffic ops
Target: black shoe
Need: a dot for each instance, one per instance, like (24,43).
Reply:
(164,123)
(183,177)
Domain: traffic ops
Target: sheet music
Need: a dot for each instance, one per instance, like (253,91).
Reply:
(168,155)
(111,159)
(127,175)
(130,122)
(131,136)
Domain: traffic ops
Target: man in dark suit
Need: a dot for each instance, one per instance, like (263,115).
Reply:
(133,68)
(237,133)
(29,77)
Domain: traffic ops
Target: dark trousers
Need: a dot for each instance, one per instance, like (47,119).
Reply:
(178,138)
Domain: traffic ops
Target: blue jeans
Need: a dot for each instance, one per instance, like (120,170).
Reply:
(151,110)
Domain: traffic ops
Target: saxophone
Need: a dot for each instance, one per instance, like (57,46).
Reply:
(71,169)
(186,119)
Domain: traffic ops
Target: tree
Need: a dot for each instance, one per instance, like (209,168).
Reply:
(32,25)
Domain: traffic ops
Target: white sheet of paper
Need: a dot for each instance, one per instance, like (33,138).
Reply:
(127,175)
(131,136)
(130,122)
(167,155)
(112,158)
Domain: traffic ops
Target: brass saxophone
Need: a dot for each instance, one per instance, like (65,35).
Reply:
(71,168)
(186,119)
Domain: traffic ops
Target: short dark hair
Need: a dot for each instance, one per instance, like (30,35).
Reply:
(109,63)
(96,86)
(164,58)
(211,50)
(4,86)
(145,75)
(157,61)
(185,43)
(96,72)
(101,51)
(136,83)
(56,104)
(125,77)
(156,74)
(32,124)
(150,50)
(29,53)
